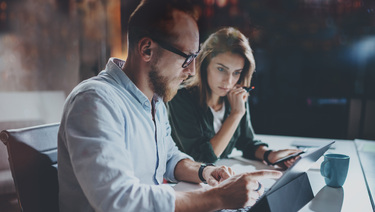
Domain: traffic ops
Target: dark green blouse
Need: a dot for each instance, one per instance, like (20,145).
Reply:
(192,128)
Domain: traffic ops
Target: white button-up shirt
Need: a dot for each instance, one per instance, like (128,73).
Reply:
(111,155)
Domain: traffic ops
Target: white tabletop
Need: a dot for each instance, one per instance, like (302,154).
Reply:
(366,152)
(353,196)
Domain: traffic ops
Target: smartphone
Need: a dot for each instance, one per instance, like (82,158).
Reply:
(288,157)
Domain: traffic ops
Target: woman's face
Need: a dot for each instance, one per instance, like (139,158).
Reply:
(223,72)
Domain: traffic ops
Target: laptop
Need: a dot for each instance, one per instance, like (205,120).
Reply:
(300,166)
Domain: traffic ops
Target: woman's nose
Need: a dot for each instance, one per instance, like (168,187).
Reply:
(228,79)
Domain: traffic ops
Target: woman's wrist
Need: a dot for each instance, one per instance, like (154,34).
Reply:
(266,157)
(236,114)
(259,153)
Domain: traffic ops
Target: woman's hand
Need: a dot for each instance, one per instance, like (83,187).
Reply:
(237,98)
(277,155)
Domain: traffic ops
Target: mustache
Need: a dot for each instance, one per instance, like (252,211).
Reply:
(185,77)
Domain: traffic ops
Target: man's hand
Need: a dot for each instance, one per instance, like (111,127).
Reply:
(215,175)
(228,191)
(242,190)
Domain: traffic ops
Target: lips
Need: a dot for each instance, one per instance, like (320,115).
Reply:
(224,89)
(183,79)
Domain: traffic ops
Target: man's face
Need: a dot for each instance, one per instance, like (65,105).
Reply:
(160,83)
(166,72)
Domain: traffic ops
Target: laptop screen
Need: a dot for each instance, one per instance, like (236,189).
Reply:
(301,165)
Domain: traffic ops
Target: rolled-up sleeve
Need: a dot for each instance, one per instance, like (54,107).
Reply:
(174,156)
(94,137)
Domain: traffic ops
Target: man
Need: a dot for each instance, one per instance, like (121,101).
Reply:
(114,141)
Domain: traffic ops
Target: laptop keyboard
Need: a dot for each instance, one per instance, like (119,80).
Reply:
(236,210)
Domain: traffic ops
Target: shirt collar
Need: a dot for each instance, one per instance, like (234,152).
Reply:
(114,69)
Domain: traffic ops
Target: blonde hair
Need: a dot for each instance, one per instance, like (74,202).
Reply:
(224,40)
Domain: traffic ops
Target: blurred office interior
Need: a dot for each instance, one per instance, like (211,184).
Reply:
(315,72)
(315,59)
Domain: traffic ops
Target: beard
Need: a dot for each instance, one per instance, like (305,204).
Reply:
(161,84)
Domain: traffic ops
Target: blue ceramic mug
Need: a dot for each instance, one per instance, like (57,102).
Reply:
(334,169)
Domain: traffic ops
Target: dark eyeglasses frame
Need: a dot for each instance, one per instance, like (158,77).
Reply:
(169,47)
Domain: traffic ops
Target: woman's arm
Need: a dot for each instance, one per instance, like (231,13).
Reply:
(237,99)
(220,141)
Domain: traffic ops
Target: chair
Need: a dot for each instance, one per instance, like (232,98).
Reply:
(33,162)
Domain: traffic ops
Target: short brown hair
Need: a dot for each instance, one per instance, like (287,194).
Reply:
(224,40)
(151,18)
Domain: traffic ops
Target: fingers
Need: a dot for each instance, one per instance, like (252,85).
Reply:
(238,92)
(261,190)
(254,194)
(289,163)
(237,97)
(231,171)
(225,172)
(245,189)
(292,151)
(273,174)
(220,174)
(254,185)
(212,181)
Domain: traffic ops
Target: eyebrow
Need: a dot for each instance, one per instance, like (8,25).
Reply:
(189,52)
(241,69)
(199,49)
(223,65)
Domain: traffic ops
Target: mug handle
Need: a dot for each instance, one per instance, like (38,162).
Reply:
(322,169)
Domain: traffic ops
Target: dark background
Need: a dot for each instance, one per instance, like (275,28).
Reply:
(312,61)
(315,74)
(315,60)
(315,63)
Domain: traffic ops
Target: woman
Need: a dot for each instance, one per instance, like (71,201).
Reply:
(209,116)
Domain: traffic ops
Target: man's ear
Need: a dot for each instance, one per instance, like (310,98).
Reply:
(145,48)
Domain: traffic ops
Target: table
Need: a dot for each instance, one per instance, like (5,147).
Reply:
(353,196)
(366,152)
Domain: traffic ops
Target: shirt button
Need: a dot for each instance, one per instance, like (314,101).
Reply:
(145,105)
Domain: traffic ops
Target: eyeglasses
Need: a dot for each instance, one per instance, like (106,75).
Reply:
(169,47)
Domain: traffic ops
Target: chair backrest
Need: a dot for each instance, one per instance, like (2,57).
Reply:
(33,162)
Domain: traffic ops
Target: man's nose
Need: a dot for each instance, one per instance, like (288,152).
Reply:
(191,68)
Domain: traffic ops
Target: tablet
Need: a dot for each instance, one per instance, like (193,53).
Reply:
(288,157)
(302,164)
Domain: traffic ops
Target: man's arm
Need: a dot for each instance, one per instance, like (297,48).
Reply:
(94,131)
(234,192)
(187,170)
